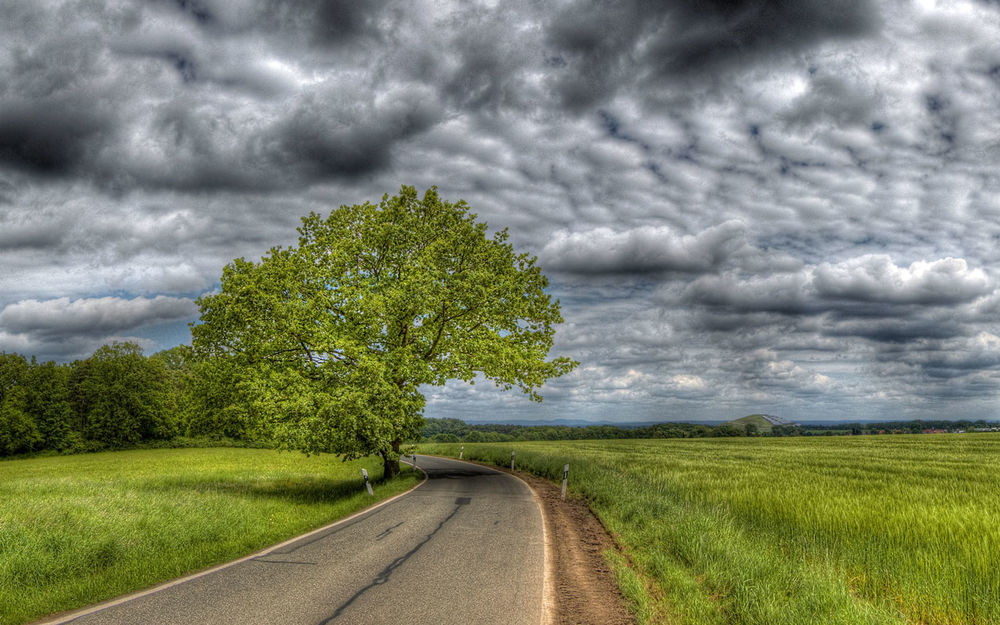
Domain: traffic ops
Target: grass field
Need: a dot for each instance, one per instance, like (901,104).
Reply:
(792,531)
(78,529)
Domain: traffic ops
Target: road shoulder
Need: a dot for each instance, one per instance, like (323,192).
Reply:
(585,592)
(582,588)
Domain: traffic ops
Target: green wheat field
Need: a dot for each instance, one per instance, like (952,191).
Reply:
(797,531)
(75,530)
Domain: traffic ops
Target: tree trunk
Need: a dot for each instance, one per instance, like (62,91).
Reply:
(390,464)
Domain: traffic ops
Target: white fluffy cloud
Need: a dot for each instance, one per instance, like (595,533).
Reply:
(642,249)
(91,316)
(875,278)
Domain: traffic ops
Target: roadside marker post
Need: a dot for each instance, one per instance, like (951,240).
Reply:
(512,461)
(368,484)
(565,478)
(461,451)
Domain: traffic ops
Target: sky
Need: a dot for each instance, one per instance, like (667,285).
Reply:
(789,207)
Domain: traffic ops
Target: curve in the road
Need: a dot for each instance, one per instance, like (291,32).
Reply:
(465,546)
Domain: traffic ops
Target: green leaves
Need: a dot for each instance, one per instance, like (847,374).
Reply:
(115,398)
(126,395)
(339,332)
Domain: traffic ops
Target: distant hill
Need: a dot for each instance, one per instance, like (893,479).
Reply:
(763,422)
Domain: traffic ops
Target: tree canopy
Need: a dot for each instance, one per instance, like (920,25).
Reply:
(335,336)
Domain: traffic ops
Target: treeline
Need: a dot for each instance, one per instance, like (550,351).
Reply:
(118,397)
(456,430)
(916,426)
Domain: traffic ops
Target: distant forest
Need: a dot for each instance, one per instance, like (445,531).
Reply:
(116,398)
(119,398)
(456,430)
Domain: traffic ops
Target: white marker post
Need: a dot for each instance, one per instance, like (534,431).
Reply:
(461,451)
(368,484)
(512,461)
(565,478)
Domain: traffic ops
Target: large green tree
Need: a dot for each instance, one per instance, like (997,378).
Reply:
(335,336)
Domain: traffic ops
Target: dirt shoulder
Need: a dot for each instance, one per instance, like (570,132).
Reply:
(585,589)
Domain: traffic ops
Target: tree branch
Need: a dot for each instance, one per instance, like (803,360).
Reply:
(440,331)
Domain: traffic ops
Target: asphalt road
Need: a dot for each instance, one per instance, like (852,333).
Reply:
(464,547)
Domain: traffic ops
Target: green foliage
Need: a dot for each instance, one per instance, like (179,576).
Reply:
(334,337)
(13,372)
(48,403)
(219,405)
(177,365)
(125,394)
(120,398)
(18,432)
(728,429)
(786,430)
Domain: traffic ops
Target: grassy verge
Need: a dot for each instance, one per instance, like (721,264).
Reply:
(797,531)
(76,530)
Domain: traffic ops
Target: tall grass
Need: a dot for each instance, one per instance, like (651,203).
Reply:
(79,529)
(798,531)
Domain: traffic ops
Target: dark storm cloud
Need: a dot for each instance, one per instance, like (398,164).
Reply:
(338,22)
(704,35)
(26,234)
(898,330)
(604,44)
(182,106)
(320,22)
(186,151)
(52,137)
(322,141)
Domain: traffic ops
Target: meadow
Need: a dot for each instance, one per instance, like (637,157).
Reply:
(75,530)
(864,530)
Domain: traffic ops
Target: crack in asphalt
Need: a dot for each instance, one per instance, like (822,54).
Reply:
(386,573)
(387,531)
(363,516)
